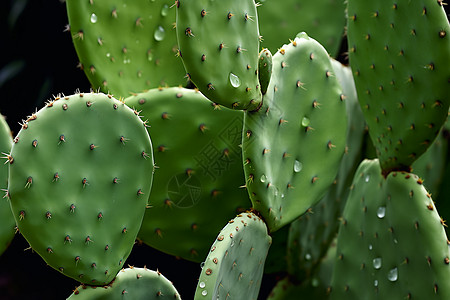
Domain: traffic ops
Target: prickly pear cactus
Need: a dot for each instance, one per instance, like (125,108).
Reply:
(400,52)
(322,20)
(126,46)
(80,173)
(7,222)
(219,45)
(131,283)
(199,170)
(391,243)
(293,144)
(235,263)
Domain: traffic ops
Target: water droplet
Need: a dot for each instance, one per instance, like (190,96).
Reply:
(108,55)
(370,247)
(159,34)
(315,282)
(93,18)
(381,212)
(298,166)
(395,241)
(282,196)
(235,81)
(232,243)
(204,292)
(263,178)
(165,10)
(202,285)
(308,256)
(305,121)
(393,275)
(149,55)
(202,264)
(367,178)
(377,263)
(375,283)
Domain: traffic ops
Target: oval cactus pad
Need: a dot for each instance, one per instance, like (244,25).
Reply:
(81,170)
(400,56)
(293,145)
(235,264)
(219,45)
(131,283)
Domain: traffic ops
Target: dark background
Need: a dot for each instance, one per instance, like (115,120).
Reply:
(38,61)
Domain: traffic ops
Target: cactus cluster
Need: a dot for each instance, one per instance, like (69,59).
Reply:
(306,169)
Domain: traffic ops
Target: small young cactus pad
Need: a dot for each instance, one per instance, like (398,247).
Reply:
(131,283)
(235,263)
(293,144)
(199,170)
(126,47)
(219,45)
(391,242)
(400,55)
(79,180)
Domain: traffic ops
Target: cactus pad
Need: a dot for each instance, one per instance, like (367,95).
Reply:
(126,46)
(293,144)
(131,283)
(219,45)
(7,222)
(199,170)
(390,233)
(80,174)
(400,52)
(235,263)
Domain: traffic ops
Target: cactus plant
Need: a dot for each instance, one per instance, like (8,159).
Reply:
(285,131)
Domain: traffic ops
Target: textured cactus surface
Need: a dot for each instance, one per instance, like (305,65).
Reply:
(80,174)
(391,243)
(400,52)
(293,145)
(7,222)
(311,235)
(126,46)
(219,45)
(235,263)
(322,20)
(131,283)
(199,170)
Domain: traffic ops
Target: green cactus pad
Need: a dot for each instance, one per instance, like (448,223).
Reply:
(126,47)
(235,263)
(131,283)
(400,55)
(293,145)
(322,20)
(7,222)
(199,170)
(78,184)
(219,45)
(391,243)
